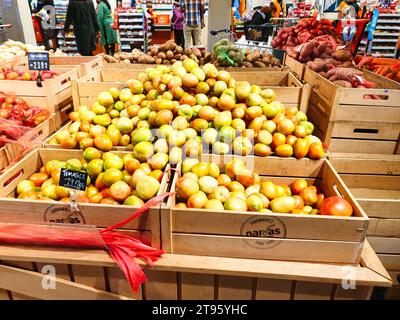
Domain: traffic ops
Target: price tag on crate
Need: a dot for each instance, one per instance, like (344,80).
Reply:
(38,61)
(73,179)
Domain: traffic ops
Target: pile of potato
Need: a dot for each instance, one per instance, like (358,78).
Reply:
(167,54)
(255,59)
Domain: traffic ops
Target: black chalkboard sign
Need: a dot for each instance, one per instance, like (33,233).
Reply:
(38,61)
(73,179)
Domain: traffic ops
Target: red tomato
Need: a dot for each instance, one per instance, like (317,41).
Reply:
(336,206)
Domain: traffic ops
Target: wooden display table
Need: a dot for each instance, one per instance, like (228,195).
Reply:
(92,274)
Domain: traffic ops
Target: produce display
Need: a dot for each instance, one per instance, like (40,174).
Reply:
(11,49)
(112,179)
(307,29)
(192,110)
(387,67)
(227,54)
(26,75)
(166,54)
(17,118)
(202,185)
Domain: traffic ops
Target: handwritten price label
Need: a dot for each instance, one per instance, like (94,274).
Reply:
(73,179)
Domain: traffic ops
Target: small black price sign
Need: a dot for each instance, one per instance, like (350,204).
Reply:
(38,61)
(73,179)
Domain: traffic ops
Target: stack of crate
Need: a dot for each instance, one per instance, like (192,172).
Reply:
(374,180)
(349,120)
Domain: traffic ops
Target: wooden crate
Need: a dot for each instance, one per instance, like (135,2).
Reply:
(5,156)
(92,274)
(306,238)
(85,64)
(347,121)
(375,182)
(17,210)
(53,92)
(288,89)
(32,139)
(87,88)
(295,66)
(46,144)
(127,66)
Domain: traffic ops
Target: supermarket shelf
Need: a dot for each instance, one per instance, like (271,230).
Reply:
(386,28)
(388,21)
(385,40)
(128,27)
(130,14)
(389,15)
(387,55)
(387,34)
(383,48)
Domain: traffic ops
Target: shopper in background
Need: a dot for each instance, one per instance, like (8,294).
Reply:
(262,15)
(177,24)
(105,22)
(82,16)
(278,8)
(194,21)
(45,11)
(349,8)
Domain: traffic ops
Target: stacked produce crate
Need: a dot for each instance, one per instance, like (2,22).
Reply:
(374,181)
(113,112)
(358,120)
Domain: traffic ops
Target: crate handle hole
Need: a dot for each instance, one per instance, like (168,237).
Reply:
(375,97)
(15,176)
(337,191)
(65,80)
(36,135)
(370,131)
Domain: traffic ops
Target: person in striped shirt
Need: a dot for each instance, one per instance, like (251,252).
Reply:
(194,21)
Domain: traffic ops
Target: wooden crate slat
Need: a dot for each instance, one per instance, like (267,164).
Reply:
(273,289)
(390,261)
(368,274)
(384,228)
(385,245)
(29,283)
(234,288)
(119,284)
(197,286)
(313,291)
(162,285)
(282,249)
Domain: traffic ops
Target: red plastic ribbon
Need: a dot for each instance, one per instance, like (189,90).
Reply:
(122,248)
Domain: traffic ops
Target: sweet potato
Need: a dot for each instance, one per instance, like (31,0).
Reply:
(342,55)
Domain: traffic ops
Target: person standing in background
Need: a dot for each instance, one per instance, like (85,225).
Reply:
(177,24)
(82,16)
(278,8)
(105,21)
(194,21)
(45,11)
